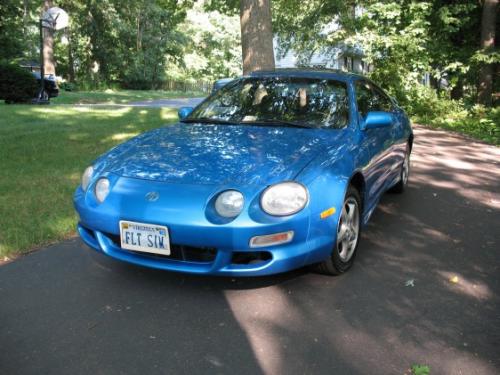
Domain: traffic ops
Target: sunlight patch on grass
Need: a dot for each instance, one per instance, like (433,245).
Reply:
(168,114)
(78,136)
(123,136)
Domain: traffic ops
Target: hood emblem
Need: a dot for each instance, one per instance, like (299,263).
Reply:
(152,196)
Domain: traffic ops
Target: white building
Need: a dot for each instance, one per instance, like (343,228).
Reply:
(339,57)
(334,58)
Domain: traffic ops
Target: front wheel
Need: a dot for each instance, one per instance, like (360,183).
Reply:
(347,238)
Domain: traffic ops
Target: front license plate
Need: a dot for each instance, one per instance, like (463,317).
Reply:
(148,238)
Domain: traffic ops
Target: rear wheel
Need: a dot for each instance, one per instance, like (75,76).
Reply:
(347,238)
(400,187)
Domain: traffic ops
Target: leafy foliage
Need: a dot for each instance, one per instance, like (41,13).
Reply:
(137,44)
(423,52)
(212,49)
(11,44)
(478,121)
(110,42)
(420,370)
(16,83)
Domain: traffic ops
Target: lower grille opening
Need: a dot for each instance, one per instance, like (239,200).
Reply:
(177,252)
(89,232)
(251,257)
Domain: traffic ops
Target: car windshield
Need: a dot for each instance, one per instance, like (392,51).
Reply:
(279,101)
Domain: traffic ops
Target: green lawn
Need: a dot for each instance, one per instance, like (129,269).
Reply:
(118,96)
(43,151)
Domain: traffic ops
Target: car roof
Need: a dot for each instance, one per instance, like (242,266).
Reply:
(224,80)
(308,73)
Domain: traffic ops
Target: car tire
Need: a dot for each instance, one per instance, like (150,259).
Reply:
(347,237)
(45,95)
(404,175)
(42,95)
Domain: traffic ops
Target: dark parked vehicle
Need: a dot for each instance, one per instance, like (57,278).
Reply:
(50,85)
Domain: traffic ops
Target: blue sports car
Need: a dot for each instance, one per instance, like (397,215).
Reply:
(274,171)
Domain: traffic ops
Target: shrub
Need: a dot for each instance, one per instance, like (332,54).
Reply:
(16,84)
(427,108)
(137,84)
(68,86)
(425,103)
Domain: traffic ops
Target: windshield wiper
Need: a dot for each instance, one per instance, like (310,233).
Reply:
(207,120)
(280,122)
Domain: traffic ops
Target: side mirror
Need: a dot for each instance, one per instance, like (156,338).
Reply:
(184,112)
(376,120)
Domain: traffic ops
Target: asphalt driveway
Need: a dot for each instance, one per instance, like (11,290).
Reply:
(424,290)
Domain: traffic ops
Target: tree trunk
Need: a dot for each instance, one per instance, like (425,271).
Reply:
(488,23)
(26,17)
(457,92)
(71,62)
(256,35)
(48,43)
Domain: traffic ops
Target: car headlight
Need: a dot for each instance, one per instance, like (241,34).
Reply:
(102,189)
(229,203)
(286,198)
(87,175)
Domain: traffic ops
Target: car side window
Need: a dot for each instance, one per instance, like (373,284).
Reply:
(383,101)
(370,98)
(364,98)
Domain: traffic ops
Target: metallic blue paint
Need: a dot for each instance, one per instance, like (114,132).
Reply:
(187,165)
(184,112)
(376,120)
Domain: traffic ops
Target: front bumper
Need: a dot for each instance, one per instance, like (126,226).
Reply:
(283,257)
(182,211)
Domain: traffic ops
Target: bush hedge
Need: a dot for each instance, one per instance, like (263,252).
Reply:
(16,84)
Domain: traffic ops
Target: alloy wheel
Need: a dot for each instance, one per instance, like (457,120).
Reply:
(348,229)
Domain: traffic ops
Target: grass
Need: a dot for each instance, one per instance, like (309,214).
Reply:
(43,151)
(118,96)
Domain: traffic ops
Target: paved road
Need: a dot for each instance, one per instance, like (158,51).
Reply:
(68,310)
(159,103)
(172,103)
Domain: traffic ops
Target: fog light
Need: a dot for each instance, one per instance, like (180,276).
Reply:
(271,239)
(102,189)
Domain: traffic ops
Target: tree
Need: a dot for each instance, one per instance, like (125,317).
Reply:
(11,24)
(256,35)
(212,48)
(453,41)
(403,40)
(115,42)
(149,29)
(48,43)
(488,24)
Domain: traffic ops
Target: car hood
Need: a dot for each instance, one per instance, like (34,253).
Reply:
(217,154)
